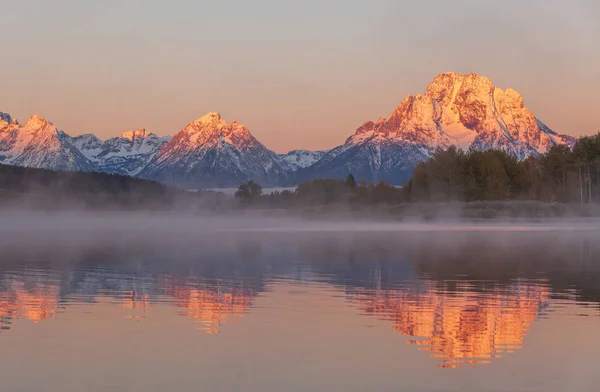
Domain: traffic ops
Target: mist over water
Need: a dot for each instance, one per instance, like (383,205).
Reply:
(140,301)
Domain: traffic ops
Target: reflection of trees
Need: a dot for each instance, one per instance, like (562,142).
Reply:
(134,300)
(568,262)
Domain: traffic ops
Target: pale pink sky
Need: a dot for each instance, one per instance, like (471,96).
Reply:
(299,74)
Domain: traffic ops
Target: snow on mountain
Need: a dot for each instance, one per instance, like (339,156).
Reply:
(127,154)
(391,161)
(210,153)
(297,159)
(463,110)
(87,143)
(38,143)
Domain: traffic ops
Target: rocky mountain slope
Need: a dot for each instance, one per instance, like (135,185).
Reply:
(300,159)
(463,110)
(127,154)
(211,153)
(38,143)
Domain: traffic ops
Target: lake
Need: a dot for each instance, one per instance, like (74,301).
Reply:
(298,310)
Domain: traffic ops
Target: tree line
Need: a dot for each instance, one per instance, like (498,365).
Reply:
(320,192)
(41,188)
(561,175)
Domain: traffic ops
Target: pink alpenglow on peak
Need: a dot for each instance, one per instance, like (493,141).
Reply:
(127,154)
(210,118)
(137,134)
(38,143)
(37,123)
(211,153)
(467,111)
(212,128)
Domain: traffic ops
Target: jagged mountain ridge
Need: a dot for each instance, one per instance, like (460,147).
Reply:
(39,144)
(211,153)
(300,159)
(127,154)
(463,110)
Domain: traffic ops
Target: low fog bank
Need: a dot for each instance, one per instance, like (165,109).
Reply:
(26,189)
(210,204)
(73,227)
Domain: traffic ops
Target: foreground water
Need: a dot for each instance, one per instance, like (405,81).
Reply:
(300,311)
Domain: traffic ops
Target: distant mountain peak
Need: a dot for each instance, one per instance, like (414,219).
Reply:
(211,118)
(466,110)
(38,143)
(36,121)
(137,134)
(211,152)
(212,128)
(300,159)
(87,137)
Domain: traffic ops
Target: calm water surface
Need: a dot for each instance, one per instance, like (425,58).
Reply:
(385,311)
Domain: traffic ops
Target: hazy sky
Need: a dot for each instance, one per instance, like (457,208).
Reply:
(299,74)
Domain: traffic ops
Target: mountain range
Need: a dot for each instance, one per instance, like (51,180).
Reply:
(463,110)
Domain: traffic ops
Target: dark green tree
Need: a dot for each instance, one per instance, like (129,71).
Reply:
(350,181)
(249,191)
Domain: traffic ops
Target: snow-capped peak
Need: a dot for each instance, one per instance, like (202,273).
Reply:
(38,143)
(298,159)
(38,122)
(212,128)
(86,142)
(137,134)
(212,152)
(211,118)
(465,110)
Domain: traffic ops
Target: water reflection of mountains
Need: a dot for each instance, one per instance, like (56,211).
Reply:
(208,285)
(466,298)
